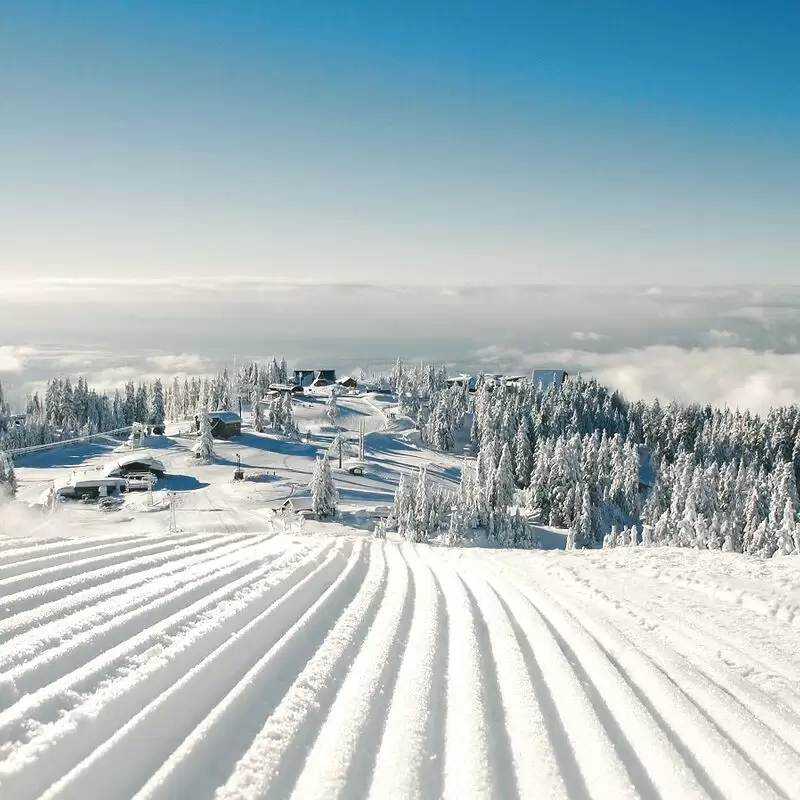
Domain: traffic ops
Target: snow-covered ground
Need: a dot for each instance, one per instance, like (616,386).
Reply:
(250,655)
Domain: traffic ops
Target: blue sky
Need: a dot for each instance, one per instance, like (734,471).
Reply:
(561,142)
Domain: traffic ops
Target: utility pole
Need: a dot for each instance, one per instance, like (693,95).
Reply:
(173,527)
(150,489)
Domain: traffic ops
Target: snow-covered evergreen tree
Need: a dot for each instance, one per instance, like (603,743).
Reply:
(204,448)
(258,416)
(503,483)
(420,529)
(332,409)
(403,508)
(157,413)
(323,490)
(8,478)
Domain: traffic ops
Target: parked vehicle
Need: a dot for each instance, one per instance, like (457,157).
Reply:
(110,503)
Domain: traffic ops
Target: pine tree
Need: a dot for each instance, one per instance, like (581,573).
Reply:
(332,410)
(205,443)
(611,539)
(420,528)
(258,416)
(323,491)
(661,532)
(584,524)
(8,478)
(523,455)
(141,404)
(647,536)
(786,531)
(503,485)
(157,402)
(403,508)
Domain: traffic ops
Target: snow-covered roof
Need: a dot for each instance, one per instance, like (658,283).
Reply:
(134,457)
(86,478)
(298,503)
(225,416)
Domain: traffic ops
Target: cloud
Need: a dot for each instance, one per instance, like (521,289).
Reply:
(735,377)
(178,364)
(13,359)
(723,337)
(671,341)
(589,336)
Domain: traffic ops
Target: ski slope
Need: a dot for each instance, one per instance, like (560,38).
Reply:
(242,664)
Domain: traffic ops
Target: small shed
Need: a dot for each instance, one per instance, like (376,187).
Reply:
(225,424)
(301,505)
(348,383)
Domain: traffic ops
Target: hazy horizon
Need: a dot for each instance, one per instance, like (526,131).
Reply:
(489,186)
(736,346)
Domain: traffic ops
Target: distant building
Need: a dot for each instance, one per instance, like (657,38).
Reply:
(285,388)
(549,377)
(304,377)
(89,485)
(225,424)
(314,377)
(348,383)
(470,381)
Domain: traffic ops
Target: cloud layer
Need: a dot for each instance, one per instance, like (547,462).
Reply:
(734,346)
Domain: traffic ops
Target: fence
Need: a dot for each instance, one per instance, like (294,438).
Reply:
(21,451)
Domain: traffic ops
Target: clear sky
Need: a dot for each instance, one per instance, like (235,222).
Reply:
(565,142)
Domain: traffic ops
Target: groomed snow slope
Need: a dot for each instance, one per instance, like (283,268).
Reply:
(274,665)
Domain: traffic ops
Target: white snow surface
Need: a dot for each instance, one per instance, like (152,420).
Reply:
(276,664)
(253,656)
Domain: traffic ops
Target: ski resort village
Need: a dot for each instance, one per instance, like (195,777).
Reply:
(275,583)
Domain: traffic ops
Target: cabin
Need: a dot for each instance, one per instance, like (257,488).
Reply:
(347,383)
(545,378)
(300,505)
(225,424)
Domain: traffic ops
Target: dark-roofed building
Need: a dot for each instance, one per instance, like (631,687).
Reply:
(225,424)
(328,375)
(304,377)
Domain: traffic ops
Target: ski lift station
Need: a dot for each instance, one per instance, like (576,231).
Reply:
(137,461)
